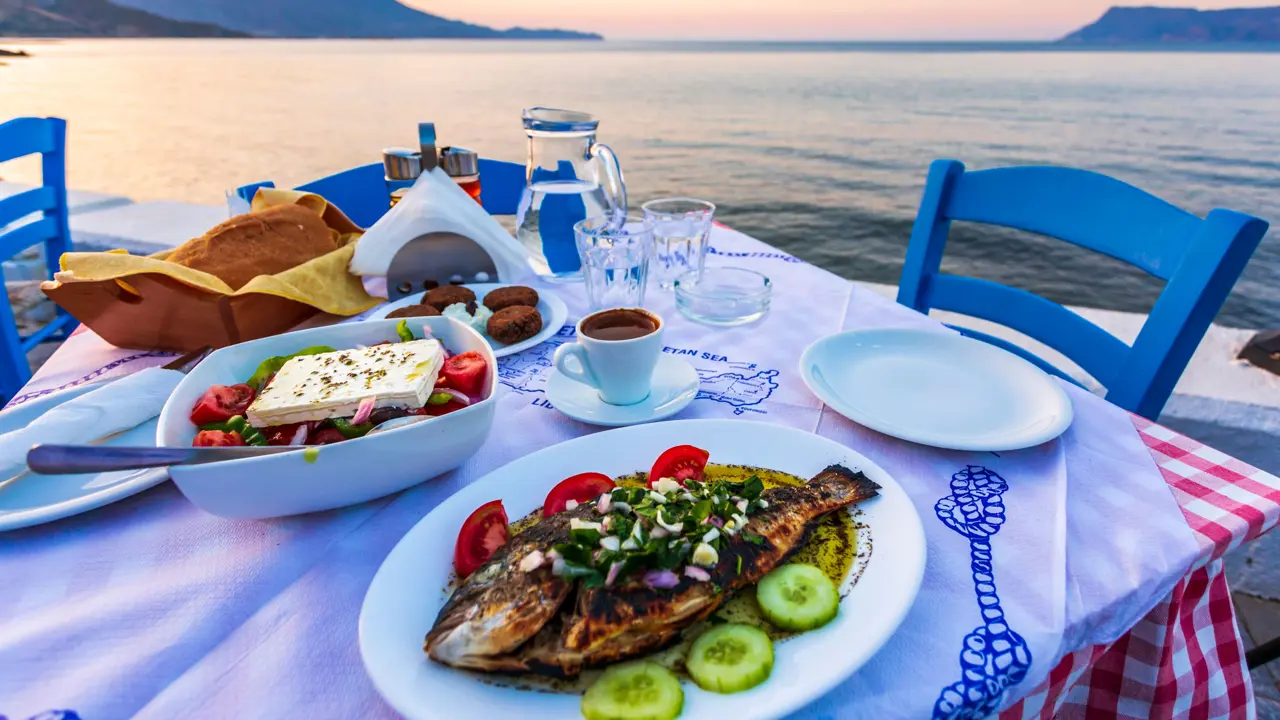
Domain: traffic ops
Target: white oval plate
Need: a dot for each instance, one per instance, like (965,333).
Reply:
(31,499)
(936,388)
(553,310)
(407,592)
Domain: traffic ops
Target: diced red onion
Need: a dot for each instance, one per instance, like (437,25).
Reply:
(664,579)
(300,435)
(697,573)
(457,395)
(532,561)
(605,503)
(557,567)
(713,520)
(658,532)
(363,411)
(614,569)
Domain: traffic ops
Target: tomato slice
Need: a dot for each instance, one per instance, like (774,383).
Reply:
(465,372)
(217,438)
(281,434)
(581,488)
(682,462)
(480,537)
(221,402)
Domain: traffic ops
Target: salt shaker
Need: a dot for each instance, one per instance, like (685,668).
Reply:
(402,167)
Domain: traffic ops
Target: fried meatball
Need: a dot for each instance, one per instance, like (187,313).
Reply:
(514,324)
(509,296)
(414,311)
(446,295)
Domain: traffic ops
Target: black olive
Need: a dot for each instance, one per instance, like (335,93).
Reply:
(381,415)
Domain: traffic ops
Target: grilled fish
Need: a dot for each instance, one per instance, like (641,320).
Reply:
(503,620)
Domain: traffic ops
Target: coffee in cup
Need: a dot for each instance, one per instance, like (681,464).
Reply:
(616,353)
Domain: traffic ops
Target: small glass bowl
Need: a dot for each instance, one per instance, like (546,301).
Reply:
(723,296)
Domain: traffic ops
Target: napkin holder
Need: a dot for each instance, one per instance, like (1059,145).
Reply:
(436,235)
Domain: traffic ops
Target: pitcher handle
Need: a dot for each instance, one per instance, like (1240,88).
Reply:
(616,191)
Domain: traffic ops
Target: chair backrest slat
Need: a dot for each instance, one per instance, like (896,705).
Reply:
(1100,353)
(1081,207)
(24,236)
(16,207)
(1200,259)
(27,136)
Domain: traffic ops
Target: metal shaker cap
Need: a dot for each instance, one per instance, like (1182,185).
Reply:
(401,163)
(459,162)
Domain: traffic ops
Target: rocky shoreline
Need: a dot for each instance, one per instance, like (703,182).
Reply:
(14,53)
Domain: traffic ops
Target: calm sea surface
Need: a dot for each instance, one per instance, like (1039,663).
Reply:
(819,150)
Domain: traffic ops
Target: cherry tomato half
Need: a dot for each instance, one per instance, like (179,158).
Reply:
(481,535)
(583,487)
(220,402)
(465,372)
(682,462)
(217,438)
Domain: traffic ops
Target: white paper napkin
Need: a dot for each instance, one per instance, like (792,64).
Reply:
(435,204)
(115,407)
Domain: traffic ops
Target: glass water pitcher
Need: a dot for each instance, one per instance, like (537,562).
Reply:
(569,177)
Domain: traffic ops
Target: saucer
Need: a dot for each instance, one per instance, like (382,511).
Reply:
(675,385)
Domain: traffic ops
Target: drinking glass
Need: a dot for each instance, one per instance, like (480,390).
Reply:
(680,230)
(615,254)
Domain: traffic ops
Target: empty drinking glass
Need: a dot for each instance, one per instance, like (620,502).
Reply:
(615,254)
(680,230)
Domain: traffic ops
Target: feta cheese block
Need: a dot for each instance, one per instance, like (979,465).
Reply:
(332,385)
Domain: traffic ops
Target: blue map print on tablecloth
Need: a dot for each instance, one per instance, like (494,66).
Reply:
(743,386)
(740,390)
(993,657)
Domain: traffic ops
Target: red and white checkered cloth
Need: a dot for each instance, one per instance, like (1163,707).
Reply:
(1185,658)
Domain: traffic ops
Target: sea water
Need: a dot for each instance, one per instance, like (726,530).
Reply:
(818,149)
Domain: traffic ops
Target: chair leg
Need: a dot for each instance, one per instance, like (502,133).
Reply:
(1263,654)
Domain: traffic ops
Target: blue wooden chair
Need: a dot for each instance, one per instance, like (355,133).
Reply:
(361,192)
(19,138)
(1200,260)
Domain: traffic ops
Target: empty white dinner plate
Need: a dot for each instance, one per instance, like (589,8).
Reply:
(28,499)
(552,309)
(409,589)
(936,388)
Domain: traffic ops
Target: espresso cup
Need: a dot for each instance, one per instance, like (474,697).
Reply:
(616,353)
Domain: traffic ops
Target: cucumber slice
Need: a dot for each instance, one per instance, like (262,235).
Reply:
(634,691)
(730,658)
(798,597)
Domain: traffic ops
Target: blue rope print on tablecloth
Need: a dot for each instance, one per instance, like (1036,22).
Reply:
(994,657)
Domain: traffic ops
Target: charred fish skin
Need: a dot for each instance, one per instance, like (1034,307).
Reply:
(499,607)
(603,614)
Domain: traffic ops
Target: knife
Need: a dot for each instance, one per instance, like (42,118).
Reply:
(116,407)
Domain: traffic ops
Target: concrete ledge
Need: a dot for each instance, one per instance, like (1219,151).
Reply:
(78,201)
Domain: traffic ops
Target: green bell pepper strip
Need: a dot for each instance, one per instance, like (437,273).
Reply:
(402,329)
(350,431)
(439,398)
(272,365)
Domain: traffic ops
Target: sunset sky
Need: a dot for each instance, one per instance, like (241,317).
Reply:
(800,19)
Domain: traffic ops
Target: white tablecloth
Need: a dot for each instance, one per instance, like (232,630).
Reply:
(150,608)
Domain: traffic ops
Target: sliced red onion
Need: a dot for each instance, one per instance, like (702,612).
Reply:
(457,395)
(363,411)
(663,579)
(713,520)
(697,573)
(300,435)
(614,569)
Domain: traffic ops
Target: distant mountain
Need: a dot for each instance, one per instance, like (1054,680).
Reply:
(94,18)
(335,18)
(1145,25)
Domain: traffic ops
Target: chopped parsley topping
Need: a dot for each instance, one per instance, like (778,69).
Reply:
(659,532)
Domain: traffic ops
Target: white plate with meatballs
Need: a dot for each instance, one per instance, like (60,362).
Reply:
(503,314)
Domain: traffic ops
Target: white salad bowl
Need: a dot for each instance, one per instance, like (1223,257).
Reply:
(328,476)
